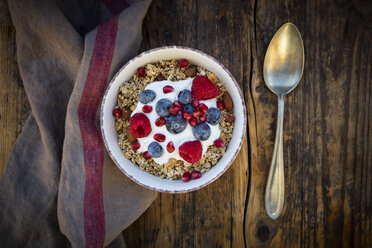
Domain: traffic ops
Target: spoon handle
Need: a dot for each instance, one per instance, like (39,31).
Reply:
(274,195)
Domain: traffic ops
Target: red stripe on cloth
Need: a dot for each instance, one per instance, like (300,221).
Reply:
(115,6)
(94,217)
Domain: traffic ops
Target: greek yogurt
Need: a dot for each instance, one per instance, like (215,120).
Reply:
(177,139)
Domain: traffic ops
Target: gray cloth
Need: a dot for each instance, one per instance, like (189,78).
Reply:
(59,187)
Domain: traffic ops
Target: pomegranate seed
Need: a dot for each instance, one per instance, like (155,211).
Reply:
(136,146)
(117,113)
(141,72)
(168,89)
(203,108)
(196,113)
(230,118)
(178,105)
(220,105)
(147,109)
(193,121)
(196,174)
(183,63)
(186,116)
(174,110)
(203,118)
(218,143)
(160,121)
(186,177)
(170,147)
(195,102)
(146,155)
(159,137)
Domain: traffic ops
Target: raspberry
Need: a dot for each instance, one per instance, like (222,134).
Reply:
(186,177)
(117,113)
(183,63)
(186,115)
(141,72)
(230,118)
(218,143)
(140,125)
(203,108)
(160,121)
(191,151)
(203,89)
(146,155)
(220,105)
(147,109)
(170,147)
(136,146)
(174,110)
(193,121)
(159,137)
(196,175)
(203,118)
(168,89)
(195,103)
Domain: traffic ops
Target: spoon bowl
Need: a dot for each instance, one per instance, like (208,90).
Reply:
(283,68)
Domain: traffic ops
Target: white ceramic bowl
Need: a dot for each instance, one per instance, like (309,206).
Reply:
(110,135)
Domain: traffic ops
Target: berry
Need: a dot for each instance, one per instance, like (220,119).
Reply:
(185,115)
(220,105)
(175,124)
(203,89)
(162,107)
(136,146)
(147,109)
(183,63)
(170,147)
(160,121)
(141,72)
(196,175)
(174,110)
(191,151)
(117,113)
(203,108)
(193,121)
(146,96)
(140,125)
(146,155)
(218,143)
(186,176)
(155,150)
(185,96)
(195,102)
(188,108)
(230,118)
(196,113)
(203,118)
(214,116)
(159,137)
(202,131)
(168,89)
(178,104)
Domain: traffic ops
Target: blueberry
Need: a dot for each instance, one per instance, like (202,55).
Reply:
(185,97)
(213,116)
(162,107)
(189,108)
(155,150)
(147,96)
(202,131)
(176,124)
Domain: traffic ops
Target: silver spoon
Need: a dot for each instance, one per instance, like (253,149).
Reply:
(283,67)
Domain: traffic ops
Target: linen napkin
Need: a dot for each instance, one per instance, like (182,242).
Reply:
(59,187)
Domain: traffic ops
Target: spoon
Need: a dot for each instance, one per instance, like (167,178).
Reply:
(283,67)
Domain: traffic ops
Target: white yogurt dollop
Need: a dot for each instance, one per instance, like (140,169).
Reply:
(177,139)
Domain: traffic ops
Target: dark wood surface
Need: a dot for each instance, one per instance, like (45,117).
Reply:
(327,126)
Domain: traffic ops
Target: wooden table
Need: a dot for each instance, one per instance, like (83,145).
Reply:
(327,127)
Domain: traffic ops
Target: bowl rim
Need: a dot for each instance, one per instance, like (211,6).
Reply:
(229,163)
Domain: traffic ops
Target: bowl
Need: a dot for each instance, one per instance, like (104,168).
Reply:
(110,136)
